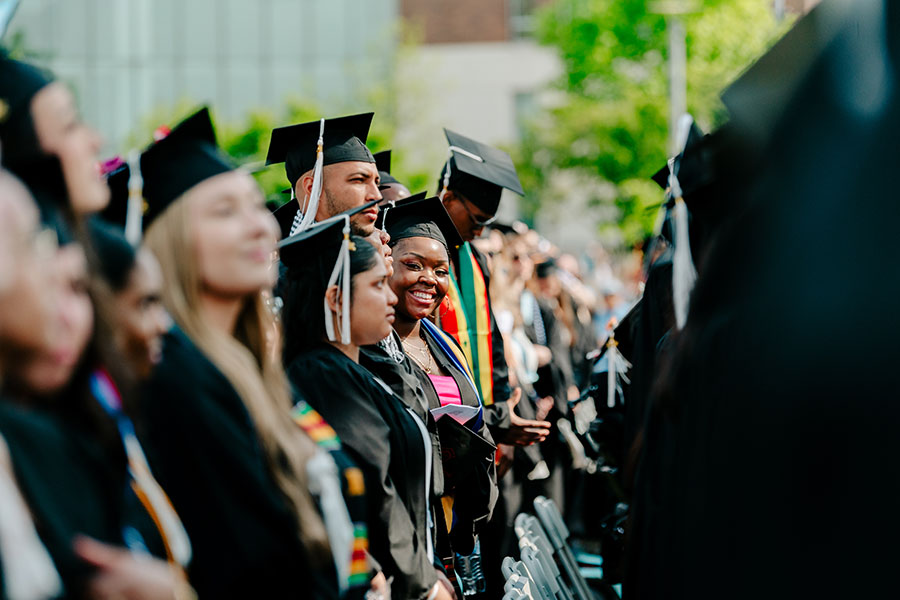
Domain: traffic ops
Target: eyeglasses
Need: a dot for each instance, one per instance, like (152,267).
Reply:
(475,221)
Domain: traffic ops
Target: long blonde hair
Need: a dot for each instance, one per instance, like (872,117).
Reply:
(249,363)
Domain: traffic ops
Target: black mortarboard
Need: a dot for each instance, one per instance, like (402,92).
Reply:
(422,217)
(344,139)
(179,161)
(293,249)
(479,172)
(383,164)
(388,206)
(19,82)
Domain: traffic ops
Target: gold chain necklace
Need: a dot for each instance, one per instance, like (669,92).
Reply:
(423,351)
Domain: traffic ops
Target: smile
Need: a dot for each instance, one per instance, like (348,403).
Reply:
(423,296)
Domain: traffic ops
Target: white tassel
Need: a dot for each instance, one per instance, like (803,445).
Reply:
(684,275)
(309,215)
(618,367)
(134,211)
(340,276)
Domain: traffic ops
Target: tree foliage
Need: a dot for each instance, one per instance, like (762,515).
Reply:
(608,115)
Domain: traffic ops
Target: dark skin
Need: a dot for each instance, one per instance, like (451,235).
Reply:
(420,280)
(467,217)
(393,192)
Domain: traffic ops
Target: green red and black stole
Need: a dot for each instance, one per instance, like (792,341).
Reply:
(465,314)
(352,486)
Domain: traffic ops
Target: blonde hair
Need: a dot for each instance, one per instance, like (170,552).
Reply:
(249,363)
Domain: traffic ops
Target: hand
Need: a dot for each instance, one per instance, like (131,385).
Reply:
(379,588)
(504,460)
(543,407)
(523,432)
(123,576)
(445,584)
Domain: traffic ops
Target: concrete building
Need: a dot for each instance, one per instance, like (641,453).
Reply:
(126,57)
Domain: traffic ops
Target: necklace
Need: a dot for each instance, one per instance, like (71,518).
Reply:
(426,359)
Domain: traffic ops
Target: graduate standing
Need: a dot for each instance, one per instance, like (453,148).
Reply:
(422,235)
(329,268)
(216,410)
(330,170)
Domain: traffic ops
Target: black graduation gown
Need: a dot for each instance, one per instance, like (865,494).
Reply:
(474,503)
(71,486)
(382,436)
(404,382)
(203,448)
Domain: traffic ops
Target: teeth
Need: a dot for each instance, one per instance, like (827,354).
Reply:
(423,295)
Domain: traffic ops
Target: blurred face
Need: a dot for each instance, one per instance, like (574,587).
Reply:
(371,306)
(521,264)
(62,134)
(468,218)
(141,318)
(349,185)
(50,368)
(234,235)
(28,274)
(394,191)
(421,276)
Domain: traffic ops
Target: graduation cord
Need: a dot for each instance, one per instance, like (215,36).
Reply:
(151,495)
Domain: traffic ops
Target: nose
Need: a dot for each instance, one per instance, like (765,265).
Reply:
(373,192)
(391,297)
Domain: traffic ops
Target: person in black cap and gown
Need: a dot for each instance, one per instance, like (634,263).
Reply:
(329,268)
(216,411)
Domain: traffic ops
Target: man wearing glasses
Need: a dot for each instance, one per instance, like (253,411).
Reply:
(470,185)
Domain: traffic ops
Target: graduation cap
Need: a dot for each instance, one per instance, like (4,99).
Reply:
(19,83)
(383,163)
(179,161)
(311,146)
(422,217)
(389,205)
(323,250)
(478,171)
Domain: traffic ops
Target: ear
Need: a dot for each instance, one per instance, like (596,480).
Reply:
(333,297)
(449,197)
(304,186)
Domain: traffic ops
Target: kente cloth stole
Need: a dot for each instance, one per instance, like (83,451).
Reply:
(465,314)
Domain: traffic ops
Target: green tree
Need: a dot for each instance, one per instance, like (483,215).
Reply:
(608,119)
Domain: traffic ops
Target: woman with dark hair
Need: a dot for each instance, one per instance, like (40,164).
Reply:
(256,493)
(133,290)
(421,237)
(343,277)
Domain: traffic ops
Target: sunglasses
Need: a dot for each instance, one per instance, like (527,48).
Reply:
(475,221)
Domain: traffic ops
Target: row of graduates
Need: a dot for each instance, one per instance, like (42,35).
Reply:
(263,428)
